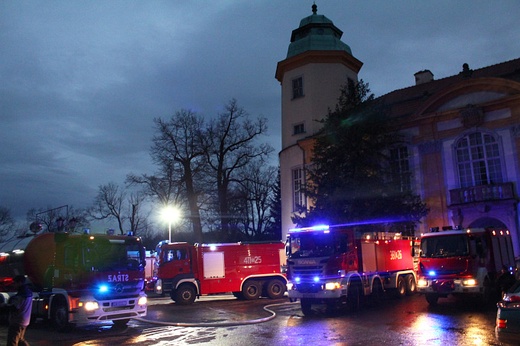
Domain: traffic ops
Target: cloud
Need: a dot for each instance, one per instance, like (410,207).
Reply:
(83,81)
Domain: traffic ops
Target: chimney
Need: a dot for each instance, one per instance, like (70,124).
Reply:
(423,76)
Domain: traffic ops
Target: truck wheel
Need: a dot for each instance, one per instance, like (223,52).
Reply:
(354,297)
(185,294)
(60,316)
(401,287)
(432,298)
(306,305)
(251,290)
(275,289)
(377,292)
(411,285)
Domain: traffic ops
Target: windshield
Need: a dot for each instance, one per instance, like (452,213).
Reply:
(106,255)
(314,244)
(445,246)
(168,255)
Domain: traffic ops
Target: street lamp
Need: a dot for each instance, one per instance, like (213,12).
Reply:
(170,214)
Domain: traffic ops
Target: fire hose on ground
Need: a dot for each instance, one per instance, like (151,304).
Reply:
(220,324)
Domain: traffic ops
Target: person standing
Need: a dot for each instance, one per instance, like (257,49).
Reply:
(19,307)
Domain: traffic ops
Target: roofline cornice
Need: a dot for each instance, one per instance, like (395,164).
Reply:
(496,84)
(317,57)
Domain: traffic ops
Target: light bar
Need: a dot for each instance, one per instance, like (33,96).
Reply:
(310,229)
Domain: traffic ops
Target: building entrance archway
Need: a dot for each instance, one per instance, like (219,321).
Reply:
(488,222)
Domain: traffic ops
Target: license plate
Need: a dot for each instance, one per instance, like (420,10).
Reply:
(116,304)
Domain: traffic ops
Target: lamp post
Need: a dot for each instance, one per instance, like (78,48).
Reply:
(170,214)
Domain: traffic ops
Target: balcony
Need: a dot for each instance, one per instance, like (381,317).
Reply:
(482,193)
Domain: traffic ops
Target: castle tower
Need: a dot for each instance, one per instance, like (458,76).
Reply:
(318,63)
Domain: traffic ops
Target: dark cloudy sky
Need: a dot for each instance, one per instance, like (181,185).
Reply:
(82,81)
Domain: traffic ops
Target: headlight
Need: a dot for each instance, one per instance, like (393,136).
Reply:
(422,282)
(329,286)
(91,306)
(158,286)
(469,282)
(142,301)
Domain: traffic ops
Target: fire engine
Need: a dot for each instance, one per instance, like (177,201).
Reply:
(340,265)
(78,278)
(248,270)
(464,262)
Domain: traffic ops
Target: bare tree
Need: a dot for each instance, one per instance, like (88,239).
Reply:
(6,222)
(230,146)
(178,151)
(257,186)
(114,202)
(137,218)
(164,186)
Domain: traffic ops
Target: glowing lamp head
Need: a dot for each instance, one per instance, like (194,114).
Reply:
(103,289)
(432,273)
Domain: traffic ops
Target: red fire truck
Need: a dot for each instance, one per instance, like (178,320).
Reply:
(339,265)
(464,262)
(78,279)
(248,270)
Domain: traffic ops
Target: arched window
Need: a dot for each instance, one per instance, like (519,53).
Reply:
(478,160)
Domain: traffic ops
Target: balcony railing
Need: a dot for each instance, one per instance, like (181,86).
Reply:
(482,193)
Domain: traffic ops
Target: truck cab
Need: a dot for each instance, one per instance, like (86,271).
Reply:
(463,262)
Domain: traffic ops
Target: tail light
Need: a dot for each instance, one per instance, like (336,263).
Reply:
(501,323)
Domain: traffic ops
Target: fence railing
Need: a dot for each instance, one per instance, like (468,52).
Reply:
(482,193)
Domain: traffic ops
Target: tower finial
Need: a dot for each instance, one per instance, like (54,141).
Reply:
(314,8)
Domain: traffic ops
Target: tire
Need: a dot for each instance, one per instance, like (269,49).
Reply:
(306,306)
(401,288)
(411,285)
(275,289)
(377,292)
(185,294)
(60,315)
(354,297)
(251,290)
(432,298)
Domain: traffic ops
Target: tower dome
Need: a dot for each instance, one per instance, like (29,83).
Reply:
(316,32)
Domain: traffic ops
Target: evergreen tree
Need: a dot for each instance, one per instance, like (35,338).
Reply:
(350,180)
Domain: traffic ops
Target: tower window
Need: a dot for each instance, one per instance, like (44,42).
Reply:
(297,87)
(298,129)
(297,187)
